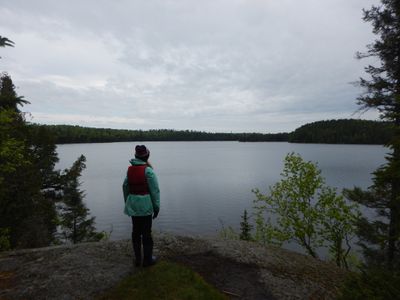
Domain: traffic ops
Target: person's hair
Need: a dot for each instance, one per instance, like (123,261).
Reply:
(144,158)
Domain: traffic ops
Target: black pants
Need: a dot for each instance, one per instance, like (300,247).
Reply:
(141,233)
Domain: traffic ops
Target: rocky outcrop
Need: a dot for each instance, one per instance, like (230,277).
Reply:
(241,269)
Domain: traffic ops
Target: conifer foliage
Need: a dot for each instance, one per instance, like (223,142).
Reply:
(76,225)
(27,214)
(5,42)
(245,227)
(381,237)
(30,187)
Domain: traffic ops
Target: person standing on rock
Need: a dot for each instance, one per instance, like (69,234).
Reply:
(142,204)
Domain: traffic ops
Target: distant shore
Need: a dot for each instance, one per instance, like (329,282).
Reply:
(346,131)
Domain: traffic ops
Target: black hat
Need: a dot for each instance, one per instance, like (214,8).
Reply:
(141,151)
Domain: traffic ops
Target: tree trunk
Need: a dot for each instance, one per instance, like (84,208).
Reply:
(309,249)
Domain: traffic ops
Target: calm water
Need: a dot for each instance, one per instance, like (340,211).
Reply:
(204,183)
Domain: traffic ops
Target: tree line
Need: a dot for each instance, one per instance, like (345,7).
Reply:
(65,134)
(347,131)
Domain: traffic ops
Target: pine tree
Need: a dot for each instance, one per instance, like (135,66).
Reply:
(245,227)
(76,225)
(380,238)
(26,214)
(29,184)
(8,96)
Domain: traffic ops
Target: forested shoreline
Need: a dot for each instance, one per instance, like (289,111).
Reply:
(345,131)
(67,134)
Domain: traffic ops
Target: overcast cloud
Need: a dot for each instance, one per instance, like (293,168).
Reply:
(214,65)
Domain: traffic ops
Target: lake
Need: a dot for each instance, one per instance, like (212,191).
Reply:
(205,183)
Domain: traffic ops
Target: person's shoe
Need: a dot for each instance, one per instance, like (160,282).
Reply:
(148,263)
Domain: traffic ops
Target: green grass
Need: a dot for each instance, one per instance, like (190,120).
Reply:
(165,280)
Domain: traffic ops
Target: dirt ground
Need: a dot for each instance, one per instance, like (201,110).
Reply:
(238,281)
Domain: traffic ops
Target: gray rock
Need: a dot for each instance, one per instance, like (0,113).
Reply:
(241,268)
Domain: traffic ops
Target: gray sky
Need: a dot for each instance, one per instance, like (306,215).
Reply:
(213,65)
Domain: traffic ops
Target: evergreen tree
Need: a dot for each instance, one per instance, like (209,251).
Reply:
(8,96)
(76,225)
(245,227)
(380,238)
(26,214)
(29,184)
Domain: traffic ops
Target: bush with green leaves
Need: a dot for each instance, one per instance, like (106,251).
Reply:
(301,208)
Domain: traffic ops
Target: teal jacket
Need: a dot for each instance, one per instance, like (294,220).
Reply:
(142,205)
